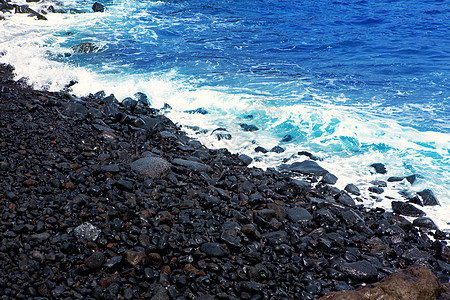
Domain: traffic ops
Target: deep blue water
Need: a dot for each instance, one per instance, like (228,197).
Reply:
(391,57)
(355,82)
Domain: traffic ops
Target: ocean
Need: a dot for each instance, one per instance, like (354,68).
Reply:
(352,82)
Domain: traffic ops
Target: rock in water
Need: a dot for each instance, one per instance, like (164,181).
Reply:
(428,197)
(98,7)
(412,283)
(379,168)
(85,48)
(153,167)
(406,209)
(308,167)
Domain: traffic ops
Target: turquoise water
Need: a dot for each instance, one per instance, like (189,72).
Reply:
(354,82)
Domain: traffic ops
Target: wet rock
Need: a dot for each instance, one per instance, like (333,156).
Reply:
(98,7)
(406,209)
(192,165)
(153,167)
(412,283)
(277,149)
(95,261)
(87,231)
(249,128)
(261,149)
(199,110)
(352,189)
(308,154)
(329,178)
(245,159)
(416,256)
(85,48)
(425,222)
(376,190)
(359,271)
(298,214)
(428,197)
(213,250)
(411,179)
(286,138)
(114,262)
(345,199)
(379,168)
(307,167)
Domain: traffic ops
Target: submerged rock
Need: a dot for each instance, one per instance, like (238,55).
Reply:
(85,48)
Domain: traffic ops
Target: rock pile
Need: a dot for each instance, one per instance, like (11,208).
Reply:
(108,200)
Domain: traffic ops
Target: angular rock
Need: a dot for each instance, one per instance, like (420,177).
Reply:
(277,149)
(412,283)
(406,209)
(98,7)
(192,165)
(307,167)
(379,168)
(329,178)
(352,189)
(95,261)
(133,257)
(428,197)
(213,249)
(87,231)
(298,214)
(425,222)
(85,48)
(345,199)
(245,159)
(359,271)
(261,149)
(153,167)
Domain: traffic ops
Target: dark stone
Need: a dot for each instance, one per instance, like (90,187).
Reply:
(416,256)
(261,149)
(142,98)
(428,197)
(411,179)
(213,249)
(200,110)
(361,271)
(329,178)
(298,214)
(192,165)
(406,209)
(307,167)
(352,189)
(425,222)
(379,168)
(245,159)
(98,7)
(376,190)
(95,260)
(153,167)
(286,138)
(249,128)
(277,149)
(114,262)
(308,154)
(345,199)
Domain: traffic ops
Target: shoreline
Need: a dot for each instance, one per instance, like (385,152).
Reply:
(112,200)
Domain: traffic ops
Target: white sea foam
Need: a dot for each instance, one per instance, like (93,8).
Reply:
(347,139)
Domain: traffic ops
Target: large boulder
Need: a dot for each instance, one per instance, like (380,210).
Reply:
(153,167)
(307,167)
(412,283)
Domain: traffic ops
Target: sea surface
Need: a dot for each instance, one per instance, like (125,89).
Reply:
(353,82)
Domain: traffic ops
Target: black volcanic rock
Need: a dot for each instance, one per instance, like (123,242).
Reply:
(428,197)
(406,209)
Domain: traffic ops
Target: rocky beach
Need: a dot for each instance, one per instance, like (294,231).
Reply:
(108,199)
